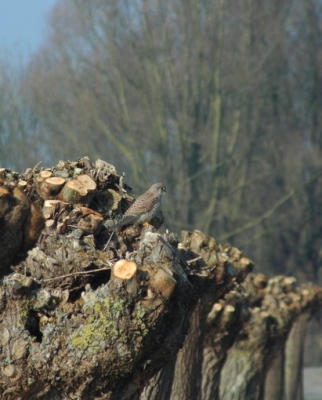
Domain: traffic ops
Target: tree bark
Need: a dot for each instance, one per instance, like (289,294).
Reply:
(294,353)
(90,313)
(274,382)
(264,337)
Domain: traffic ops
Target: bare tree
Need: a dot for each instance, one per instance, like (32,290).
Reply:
(204,96)
(18,125)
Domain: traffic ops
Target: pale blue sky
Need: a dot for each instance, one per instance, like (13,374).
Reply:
(23,24)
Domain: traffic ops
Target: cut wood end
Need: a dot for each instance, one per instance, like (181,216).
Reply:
(53,203)
(124,269)
(229,309)
(45,174)
(245,261)
(50,223)
(79,189)
(22,184)
(217,307)
(9,370)
(4,192)
(74,185)
(289,280)
(87,182)
(55,180)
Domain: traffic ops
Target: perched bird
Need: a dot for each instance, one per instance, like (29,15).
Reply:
(144,209)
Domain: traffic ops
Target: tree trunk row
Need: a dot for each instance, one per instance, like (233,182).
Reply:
(89,313)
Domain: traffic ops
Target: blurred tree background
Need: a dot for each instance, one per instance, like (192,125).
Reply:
(19,145)
(219,100)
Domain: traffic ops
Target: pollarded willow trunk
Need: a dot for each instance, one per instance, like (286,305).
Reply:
(228,267)
(160,386)
(102,341)
(294,355)
(93,313)
(285,377)
(224,324)
(274,381)
(187,374)
(256,357)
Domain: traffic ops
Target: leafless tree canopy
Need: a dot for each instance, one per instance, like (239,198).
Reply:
(219,100)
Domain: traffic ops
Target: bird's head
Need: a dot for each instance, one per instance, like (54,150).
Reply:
(159,188)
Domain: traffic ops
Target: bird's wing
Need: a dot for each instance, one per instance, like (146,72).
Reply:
(141,206)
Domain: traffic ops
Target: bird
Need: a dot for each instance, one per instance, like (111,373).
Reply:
(144,209)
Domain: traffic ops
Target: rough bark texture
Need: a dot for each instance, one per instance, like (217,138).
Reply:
(90,313)
(187,374)
(224,324)
(160,386)
(294,357)
(274,382)
(273,312)
(21,222)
